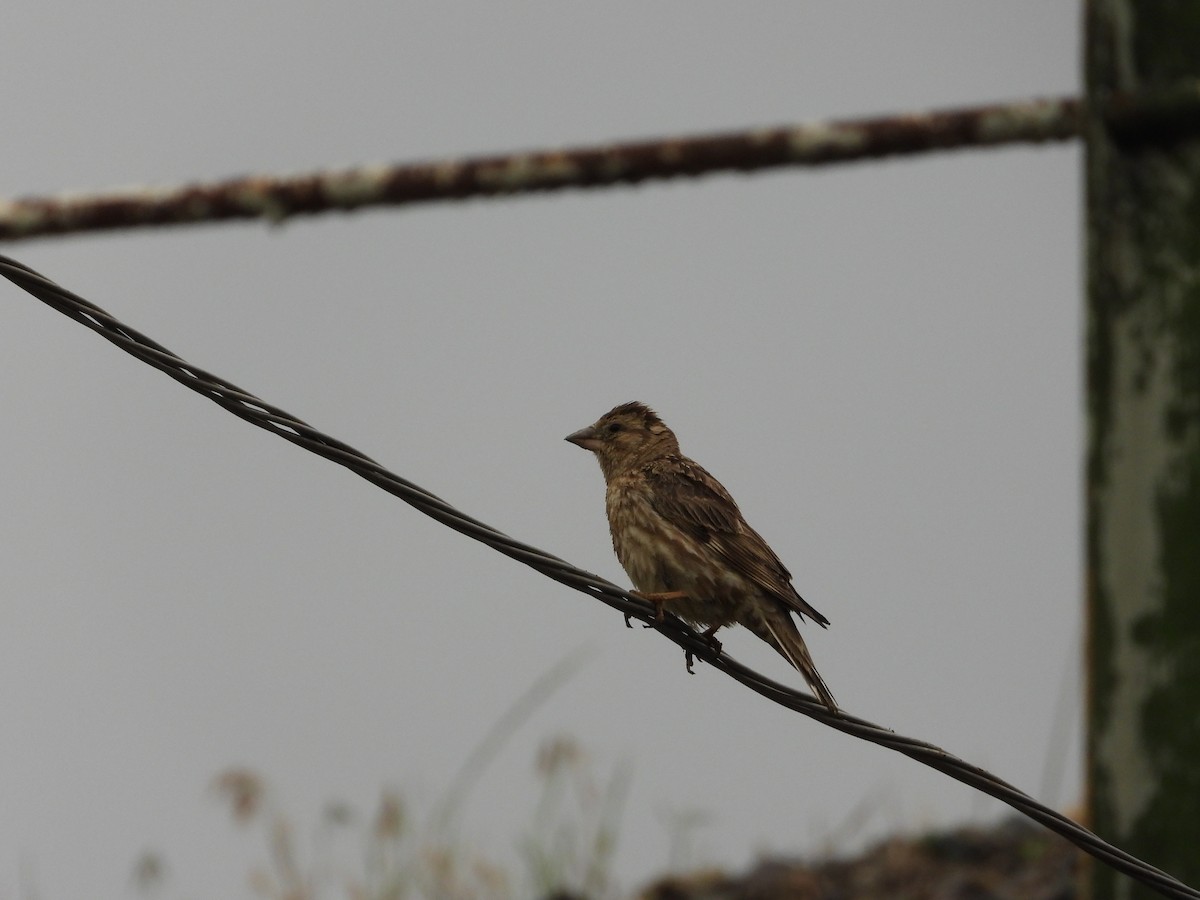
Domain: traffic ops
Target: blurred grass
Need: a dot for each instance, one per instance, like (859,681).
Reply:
(566,850)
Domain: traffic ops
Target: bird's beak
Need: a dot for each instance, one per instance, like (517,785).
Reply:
(585,438)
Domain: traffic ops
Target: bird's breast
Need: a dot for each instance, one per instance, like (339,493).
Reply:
(659,557)
(641,539)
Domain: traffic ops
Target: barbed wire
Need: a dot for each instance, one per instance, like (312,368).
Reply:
(271,418)
(276,198)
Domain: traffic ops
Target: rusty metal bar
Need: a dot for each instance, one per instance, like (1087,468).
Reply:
(276,198)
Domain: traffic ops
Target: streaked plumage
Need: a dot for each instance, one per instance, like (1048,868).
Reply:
(676,530)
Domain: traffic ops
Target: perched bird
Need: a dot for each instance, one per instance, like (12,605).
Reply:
(684,543)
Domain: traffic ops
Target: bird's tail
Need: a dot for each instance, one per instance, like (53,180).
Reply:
(778,629)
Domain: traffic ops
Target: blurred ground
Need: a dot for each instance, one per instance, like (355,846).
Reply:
(1015,859)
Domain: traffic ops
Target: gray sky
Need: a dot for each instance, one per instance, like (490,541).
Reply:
(881,362)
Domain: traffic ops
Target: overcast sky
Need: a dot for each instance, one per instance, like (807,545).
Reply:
(881,362)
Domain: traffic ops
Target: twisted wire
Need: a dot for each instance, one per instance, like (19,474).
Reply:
(271,418)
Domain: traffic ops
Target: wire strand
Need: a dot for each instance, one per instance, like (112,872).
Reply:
(258,412)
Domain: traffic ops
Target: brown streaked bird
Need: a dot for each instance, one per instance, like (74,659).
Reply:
(684,543)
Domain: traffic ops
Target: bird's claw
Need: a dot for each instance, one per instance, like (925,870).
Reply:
(710,638)
(659,598)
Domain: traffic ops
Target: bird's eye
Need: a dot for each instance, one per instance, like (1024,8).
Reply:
(614,427)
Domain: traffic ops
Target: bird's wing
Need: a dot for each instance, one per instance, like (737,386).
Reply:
(690,499)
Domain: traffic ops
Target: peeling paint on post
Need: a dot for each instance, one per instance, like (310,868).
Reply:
(1143,478)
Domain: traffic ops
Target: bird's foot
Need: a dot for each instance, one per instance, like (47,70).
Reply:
(658,599)
(628,620)
(710,637)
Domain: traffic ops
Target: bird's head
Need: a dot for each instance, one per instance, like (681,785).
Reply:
(626,436)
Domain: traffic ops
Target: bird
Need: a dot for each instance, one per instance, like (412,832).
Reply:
(684,543)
